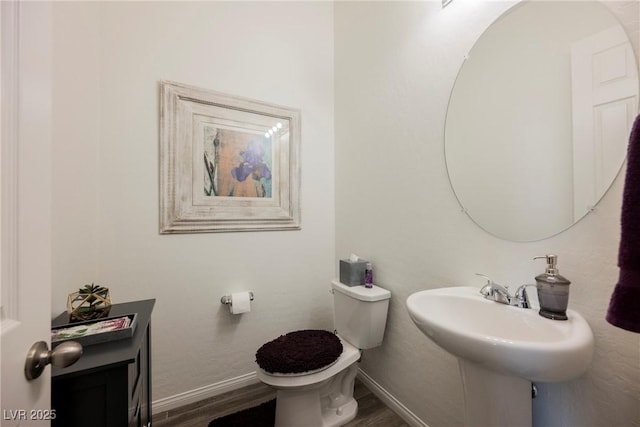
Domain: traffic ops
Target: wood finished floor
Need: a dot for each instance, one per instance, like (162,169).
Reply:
(371,411)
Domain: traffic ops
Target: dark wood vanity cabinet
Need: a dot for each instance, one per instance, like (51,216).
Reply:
(110,385)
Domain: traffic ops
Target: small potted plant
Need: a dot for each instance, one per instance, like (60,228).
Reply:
(89,302)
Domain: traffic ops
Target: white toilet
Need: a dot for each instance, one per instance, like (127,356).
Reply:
(324,397)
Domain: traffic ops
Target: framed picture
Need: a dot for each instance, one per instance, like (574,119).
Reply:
(227,163)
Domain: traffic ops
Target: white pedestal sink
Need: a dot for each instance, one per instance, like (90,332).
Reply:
(501,349)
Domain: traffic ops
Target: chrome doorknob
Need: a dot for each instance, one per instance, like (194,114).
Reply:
(39,356)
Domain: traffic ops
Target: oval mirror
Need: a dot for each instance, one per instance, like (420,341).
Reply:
(539,117)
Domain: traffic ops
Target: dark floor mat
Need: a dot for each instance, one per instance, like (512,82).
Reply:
(263,415)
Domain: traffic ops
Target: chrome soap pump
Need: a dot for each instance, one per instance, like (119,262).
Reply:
(553,290)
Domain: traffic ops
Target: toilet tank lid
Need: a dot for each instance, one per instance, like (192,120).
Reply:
(375,293)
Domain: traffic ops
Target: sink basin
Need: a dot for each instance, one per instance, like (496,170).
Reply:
(501,338)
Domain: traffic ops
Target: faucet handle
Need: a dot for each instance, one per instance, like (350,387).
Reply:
(494,291)
(489,280)
(487,289)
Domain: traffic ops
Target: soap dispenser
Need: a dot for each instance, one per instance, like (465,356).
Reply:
(553,290)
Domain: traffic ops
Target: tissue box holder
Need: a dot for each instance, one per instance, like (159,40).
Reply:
(352,272)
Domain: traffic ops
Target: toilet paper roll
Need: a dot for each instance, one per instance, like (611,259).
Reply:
(240,303)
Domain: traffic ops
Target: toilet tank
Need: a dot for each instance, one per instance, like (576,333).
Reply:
(360,314)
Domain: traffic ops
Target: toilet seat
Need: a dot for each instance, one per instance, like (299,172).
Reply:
(299,352)
(350,355)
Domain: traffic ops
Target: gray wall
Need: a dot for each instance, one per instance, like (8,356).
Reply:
(395,67)
(108,59)
(390,67)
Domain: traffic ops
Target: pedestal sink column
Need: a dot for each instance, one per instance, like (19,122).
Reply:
(494,400)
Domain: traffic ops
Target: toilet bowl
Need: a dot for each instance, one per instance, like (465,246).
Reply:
(323,397)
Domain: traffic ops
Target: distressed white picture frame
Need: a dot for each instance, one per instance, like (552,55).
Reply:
(227,163)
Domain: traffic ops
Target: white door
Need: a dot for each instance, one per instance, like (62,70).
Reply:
(25,197)
(605,99)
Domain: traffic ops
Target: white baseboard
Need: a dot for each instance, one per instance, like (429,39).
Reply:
(198,394)
(393,403)
(212,390)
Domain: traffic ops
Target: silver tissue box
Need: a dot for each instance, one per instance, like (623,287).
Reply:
(352,272)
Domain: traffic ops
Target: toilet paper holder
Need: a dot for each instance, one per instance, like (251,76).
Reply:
(226,299)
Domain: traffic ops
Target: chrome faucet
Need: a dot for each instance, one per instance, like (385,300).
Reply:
(498,293)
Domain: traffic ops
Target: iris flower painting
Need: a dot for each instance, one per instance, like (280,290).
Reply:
(237,164)
(227,163)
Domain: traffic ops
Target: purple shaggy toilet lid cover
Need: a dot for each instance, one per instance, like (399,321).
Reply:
(299,351)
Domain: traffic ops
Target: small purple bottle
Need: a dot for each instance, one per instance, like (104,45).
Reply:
(368,276)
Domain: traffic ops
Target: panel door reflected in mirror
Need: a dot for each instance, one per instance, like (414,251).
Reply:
(539,118)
